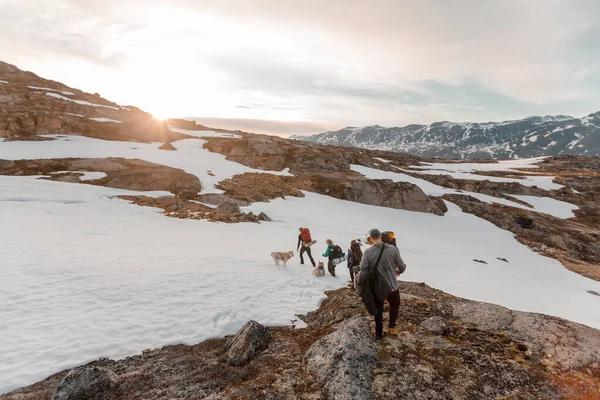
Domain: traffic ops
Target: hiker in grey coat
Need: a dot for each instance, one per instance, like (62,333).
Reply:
(385,282)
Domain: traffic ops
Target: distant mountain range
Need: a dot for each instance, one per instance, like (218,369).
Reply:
(524,138)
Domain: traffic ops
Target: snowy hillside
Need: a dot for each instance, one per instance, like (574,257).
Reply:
(529,137)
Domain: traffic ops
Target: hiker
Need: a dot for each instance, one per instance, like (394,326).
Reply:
(378,281)
(334,254)
(305,241)
(354,258)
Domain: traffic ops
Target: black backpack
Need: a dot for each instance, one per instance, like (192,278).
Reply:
(336,252)
(355,253)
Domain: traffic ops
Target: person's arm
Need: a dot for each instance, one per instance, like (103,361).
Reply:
(299,241)
(400,264)
(328,251)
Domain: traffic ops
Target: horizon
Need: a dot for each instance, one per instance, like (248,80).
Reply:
(307,68)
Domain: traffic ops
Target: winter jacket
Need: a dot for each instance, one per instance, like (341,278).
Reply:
(328,251)
(387,282)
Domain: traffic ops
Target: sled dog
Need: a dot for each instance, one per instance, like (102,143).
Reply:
(282,256)
(320,270)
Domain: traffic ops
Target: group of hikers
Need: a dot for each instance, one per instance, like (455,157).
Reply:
(374,273)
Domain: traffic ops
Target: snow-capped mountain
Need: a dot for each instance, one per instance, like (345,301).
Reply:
(528,137)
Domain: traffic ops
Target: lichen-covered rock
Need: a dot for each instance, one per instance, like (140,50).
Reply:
(87,383)
(246,343)
(435,325)
(229,207)
(343,361)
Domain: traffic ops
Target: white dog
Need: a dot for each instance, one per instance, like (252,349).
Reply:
(282,256)
(319,271)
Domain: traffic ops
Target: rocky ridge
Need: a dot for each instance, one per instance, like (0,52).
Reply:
(482,351)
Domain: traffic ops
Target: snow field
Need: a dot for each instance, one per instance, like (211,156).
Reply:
(88,275)
(190,156)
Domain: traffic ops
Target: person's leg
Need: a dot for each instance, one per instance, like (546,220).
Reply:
(351,274)
(331,268)
(378,318)
(312,260)
(302,250)
(394,300)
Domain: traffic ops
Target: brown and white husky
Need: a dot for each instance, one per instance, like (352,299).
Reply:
(282,256)
(320,270)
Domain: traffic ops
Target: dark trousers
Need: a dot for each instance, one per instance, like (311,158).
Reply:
(394,300)
(351,269)
(331,267)
(307,251)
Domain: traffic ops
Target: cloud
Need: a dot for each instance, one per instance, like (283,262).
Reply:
(55,29)
(348,62)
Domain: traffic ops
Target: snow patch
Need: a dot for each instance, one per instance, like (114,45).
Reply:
(546,205)
(82,102)
(382,160)
(106,120)
(52,90)
(202,134)
(87,175)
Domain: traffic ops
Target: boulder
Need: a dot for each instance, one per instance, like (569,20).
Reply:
(247,343)
(167,146)
(263,217)
(89,383)
(524,222)
(435,325)
(229,208)
(343,361)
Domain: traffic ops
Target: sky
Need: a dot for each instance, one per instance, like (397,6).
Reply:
(306,66)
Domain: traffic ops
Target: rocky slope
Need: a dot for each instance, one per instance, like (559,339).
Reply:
(31,106)
(447,348)
(525,138)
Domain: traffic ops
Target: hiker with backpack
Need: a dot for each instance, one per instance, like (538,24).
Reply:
(378,281)
(334,254)
(305,241)
(354,258)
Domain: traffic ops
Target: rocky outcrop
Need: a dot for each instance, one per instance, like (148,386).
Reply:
(486,352)
(386,193)
(31,106)
(167,146)
(247,343)
(90,383)
(120,173)
(343,361)
(253,187)
(177,207)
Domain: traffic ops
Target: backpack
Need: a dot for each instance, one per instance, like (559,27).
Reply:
(305,235)
(389,237)
(355,253)
(336,252)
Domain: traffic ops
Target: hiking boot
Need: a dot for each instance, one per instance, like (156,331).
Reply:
(392,332)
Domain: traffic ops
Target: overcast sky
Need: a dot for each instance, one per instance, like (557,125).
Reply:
(317,64)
